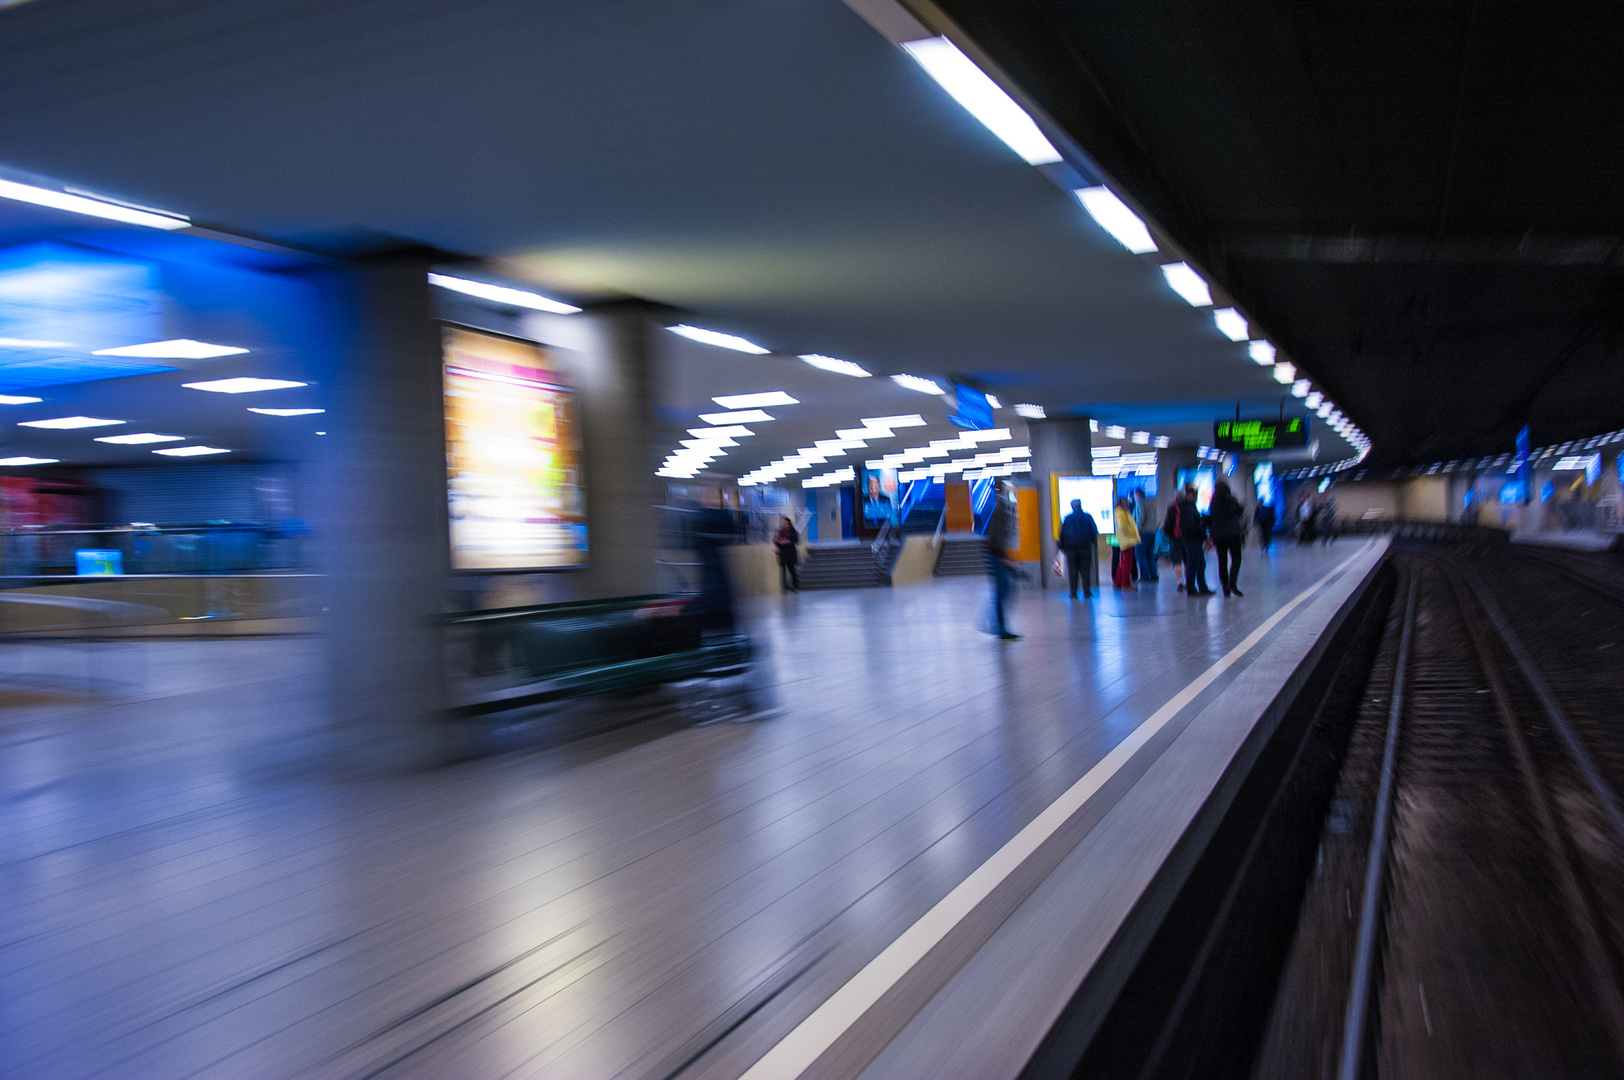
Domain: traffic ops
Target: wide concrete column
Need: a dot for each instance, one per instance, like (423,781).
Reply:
(382,512)
(615,375)
(1061,445)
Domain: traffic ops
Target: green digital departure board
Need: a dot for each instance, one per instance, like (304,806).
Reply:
(1260,434)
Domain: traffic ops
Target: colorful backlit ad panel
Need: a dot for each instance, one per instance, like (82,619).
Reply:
(513,461)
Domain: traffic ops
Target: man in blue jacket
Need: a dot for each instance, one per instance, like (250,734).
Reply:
(1079,540)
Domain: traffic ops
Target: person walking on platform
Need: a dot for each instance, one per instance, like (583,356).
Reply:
(787,544)
(1193,531)
(1144,516)
(1126,540)
(999,535)
(1326,518)
(1305,519)
(1079,542)
(1263,518)
(1175,545)
(1227,526)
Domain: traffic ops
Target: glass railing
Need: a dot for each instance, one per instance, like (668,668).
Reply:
(29,554)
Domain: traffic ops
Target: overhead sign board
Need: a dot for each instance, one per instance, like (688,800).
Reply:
(1256,435)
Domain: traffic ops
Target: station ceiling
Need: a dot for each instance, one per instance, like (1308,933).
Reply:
(778,170)
(1418,200)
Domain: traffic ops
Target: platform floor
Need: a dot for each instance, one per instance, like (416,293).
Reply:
(183,895)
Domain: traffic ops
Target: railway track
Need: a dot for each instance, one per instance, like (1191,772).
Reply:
(1467,896)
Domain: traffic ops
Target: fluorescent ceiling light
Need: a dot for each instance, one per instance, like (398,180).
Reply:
(839,367)
(988,435)
(1104,451)
(747,416)
(910,420)
(718,339)
(708,444)
(864,433)
(79,204)
(1161,441)
(13,399)
(1324,410)
(140,439)
(732,432)
(191,451)
(1313,399)
(918,383)
(755,401)
(1115,431)
(288,412)
(1285,373)
(1231,323)
(993,402)
(1299,388)
(1114,217)
(242,385)
(69,422)
(1261,352)
(1142,438)
(34,343)
(29,461)
(1030,411)
(1187,283)
(177,349)
(501,294)
(982,98)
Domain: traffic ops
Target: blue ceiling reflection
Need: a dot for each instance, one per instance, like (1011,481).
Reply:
(60,303)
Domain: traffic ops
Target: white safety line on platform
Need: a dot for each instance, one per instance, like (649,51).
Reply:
(798,1050)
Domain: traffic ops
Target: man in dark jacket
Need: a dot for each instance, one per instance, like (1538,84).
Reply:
(1227,527)
(1079,541)
(1192,529)
(999,536)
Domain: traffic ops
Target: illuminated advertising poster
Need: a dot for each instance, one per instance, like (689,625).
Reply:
(513,462)
(1203,478)
(879,497)
(1096,493)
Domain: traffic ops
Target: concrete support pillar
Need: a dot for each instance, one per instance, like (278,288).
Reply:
(615,376)
(1062,445)
(382,512)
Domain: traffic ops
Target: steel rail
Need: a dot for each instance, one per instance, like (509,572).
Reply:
(1597,956)
(1353,1027)
(1553,708)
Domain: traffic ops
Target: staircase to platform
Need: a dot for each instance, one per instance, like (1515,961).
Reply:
(846,565)
(961,555)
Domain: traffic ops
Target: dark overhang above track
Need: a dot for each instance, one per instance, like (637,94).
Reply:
(1417,201)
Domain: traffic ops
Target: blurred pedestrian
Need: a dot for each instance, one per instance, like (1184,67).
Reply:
(1227,527)
(1126,540)
(1175,543)
(787,544)
(714,528)
(1325,520)
(1193,531)
(999,536)
(1079,542)
(1263,518)
(1144,516)
(1305,519)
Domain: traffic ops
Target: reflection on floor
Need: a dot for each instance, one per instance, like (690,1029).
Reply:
(184,894)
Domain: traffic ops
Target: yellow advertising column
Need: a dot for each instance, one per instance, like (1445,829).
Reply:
(1028,526)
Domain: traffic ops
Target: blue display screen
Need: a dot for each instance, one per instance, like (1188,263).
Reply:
(973,410)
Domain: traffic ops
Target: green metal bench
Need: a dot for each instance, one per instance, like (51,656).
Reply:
(579,648)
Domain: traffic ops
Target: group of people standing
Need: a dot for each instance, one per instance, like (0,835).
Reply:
(1186,532)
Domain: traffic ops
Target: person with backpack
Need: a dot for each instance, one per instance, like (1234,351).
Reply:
(1192,530)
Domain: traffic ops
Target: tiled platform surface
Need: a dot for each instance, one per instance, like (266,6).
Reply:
(184,895)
